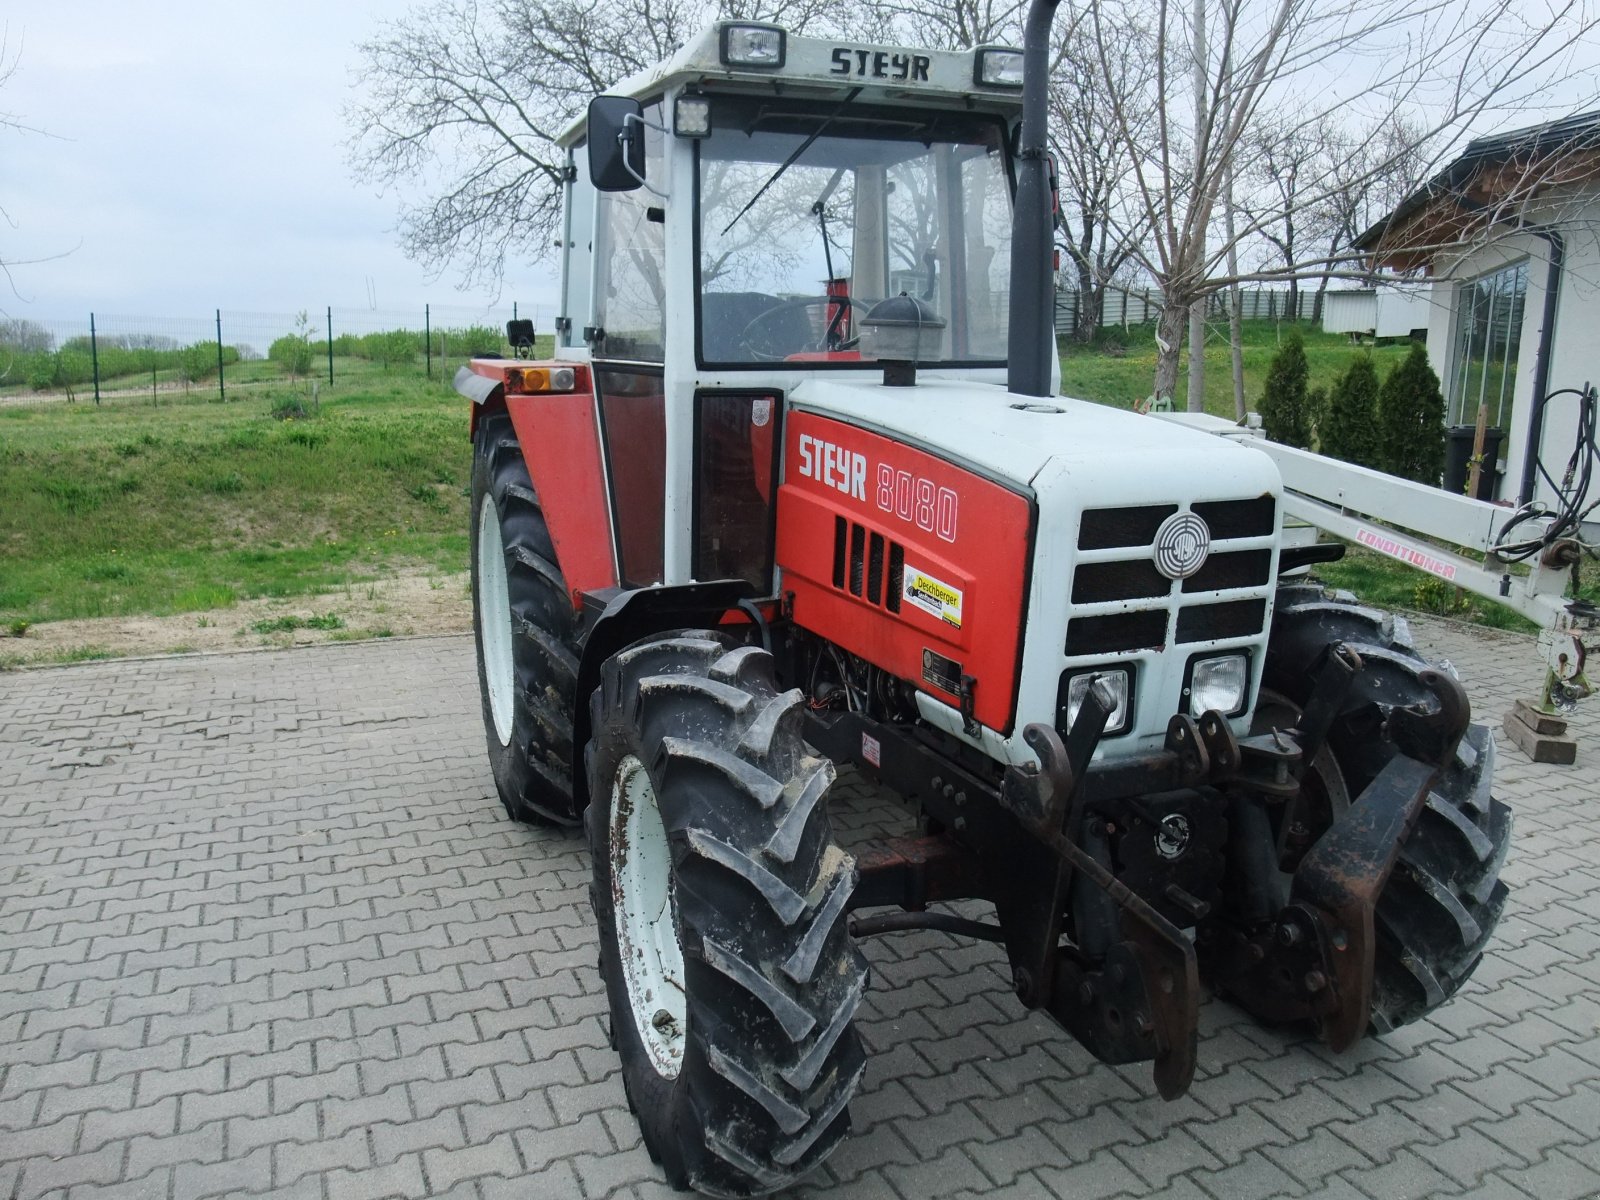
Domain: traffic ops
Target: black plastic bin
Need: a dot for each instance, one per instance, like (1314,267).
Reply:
(1458,460)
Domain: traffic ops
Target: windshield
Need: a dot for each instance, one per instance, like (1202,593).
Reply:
(881,202)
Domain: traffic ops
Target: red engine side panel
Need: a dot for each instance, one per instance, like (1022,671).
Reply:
(562,445)
(897,555)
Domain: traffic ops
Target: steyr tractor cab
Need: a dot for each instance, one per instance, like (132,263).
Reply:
(796,492)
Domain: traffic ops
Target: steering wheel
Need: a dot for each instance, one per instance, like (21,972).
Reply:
(760,334)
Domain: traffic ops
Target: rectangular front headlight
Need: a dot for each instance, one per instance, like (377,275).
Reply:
(752,45)
(997,66)
(1078,691)
(1219,683)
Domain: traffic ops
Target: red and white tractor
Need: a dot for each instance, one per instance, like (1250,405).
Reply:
(795,492)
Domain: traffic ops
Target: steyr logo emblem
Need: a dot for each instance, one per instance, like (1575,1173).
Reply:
(1182,544)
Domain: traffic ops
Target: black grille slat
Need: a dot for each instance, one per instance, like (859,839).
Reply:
(1257,517)
(841,538)
(897,576)
(1116,633)
(875,569)
(858,558)
(1105,528)
(1097,583)
(1229,619)
(1241,568)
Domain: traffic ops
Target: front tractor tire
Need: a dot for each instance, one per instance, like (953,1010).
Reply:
(721,899)
(1442,901)
(524,626)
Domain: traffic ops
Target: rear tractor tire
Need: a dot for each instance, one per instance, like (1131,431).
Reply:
(524,625)
(721,899)
(1442,901)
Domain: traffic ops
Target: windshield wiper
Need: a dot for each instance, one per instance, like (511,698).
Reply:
(790,161)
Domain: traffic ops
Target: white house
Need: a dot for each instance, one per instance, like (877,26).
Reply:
(1394,310)
(1509,234)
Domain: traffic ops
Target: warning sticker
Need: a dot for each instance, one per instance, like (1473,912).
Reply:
(872,749)
(933,595)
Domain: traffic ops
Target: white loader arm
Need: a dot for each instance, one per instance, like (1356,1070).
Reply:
(1347,501)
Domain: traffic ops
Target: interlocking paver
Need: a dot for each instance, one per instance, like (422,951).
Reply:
(265,930)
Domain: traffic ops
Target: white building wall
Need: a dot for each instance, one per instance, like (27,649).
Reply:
(1575,356)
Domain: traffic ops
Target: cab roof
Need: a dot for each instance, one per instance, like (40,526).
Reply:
(822,68)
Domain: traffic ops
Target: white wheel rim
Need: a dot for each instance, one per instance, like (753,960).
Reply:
(494,621)
(647,933)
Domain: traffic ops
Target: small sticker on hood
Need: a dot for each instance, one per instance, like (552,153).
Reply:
(932,594)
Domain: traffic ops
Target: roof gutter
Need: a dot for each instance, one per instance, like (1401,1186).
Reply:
(1030,338)
(1541,361)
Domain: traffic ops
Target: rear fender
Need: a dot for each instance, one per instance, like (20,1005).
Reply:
(559,435)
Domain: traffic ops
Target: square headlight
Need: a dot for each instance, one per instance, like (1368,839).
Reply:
(753,45)
(1077,690)
(1221,682)
(997,67)
(691,116)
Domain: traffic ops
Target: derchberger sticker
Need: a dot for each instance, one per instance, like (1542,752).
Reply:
(761,412)
(932,595)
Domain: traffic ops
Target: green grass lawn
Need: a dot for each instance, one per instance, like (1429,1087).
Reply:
(1125,374)
(131,507)
(185,503)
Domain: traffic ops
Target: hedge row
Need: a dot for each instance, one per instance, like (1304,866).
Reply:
(1396,426)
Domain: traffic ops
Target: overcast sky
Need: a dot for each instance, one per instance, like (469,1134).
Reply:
(196,161)
(193,159)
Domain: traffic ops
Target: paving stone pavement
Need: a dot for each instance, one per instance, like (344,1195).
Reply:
(264,929)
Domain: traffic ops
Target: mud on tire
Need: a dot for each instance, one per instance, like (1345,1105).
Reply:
(768,1057)
(533,765)
(1441,904)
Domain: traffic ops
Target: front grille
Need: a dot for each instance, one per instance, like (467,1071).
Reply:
(1115,633)
(1231,618)
(1095,583)
(1106,528)
(1150,610)
(1257,517)
(860,556)
(1242,568)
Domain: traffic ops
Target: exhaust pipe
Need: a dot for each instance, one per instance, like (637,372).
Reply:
(1030,337)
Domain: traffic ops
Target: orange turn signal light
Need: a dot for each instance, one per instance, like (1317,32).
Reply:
(533,381)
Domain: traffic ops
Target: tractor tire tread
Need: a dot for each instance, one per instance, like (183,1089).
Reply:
(774,980)
(1440,906)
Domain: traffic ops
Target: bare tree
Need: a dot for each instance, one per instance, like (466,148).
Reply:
(952,25)
(1369,172)
(1285,157)
(1102,225)
(473,95)
(1451,63)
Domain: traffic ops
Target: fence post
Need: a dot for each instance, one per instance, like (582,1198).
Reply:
(330,345)
(222,385)
(427,338)
(94,357)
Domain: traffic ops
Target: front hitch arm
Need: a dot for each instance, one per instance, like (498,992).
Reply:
(1168,980)
(1343,874)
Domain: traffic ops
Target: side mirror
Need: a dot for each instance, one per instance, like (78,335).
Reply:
(616,143)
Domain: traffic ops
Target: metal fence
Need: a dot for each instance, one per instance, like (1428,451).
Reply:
(111,353)
(1127,307)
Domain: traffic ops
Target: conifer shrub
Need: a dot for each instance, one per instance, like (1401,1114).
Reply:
(1411,420)
(1285,406)
(1349,428)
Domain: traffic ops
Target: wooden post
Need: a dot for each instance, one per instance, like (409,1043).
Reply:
(1475,464)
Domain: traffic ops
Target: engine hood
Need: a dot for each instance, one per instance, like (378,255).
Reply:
(1012,438)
